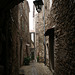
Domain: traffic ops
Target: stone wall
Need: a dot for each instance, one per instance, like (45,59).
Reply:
(23,21)
(63,17)
(40,31)
(9,45)
(12,34)
(14,40)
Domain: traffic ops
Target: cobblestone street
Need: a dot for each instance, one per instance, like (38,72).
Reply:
(35,69)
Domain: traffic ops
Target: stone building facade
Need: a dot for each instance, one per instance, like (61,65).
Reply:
(11,37)
(62,15)
(39,22)
(24,35)
(60,27)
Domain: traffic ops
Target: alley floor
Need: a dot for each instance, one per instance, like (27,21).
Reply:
(35,69)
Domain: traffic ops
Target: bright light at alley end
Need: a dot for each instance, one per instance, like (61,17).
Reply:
(38,4)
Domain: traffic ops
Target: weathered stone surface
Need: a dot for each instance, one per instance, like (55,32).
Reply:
(62,17)
(40,31)
(64,20)
(11,29)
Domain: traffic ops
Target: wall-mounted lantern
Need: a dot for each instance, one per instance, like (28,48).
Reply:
(38,4)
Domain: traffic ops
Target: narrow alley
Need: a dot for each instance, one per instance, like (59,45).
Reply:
(35,69)
(37,37)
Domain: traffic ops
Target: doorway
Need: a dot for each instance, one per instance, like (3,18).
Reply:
(51,49)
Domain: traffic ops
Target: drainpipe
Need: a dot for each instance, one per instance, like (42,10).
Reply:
(44,33)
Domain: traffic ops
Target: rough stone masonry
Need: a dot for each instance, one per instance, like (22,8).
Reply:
(63,17)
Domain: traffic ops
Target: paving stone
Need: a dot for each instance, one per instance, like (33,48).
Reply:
(35,69)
